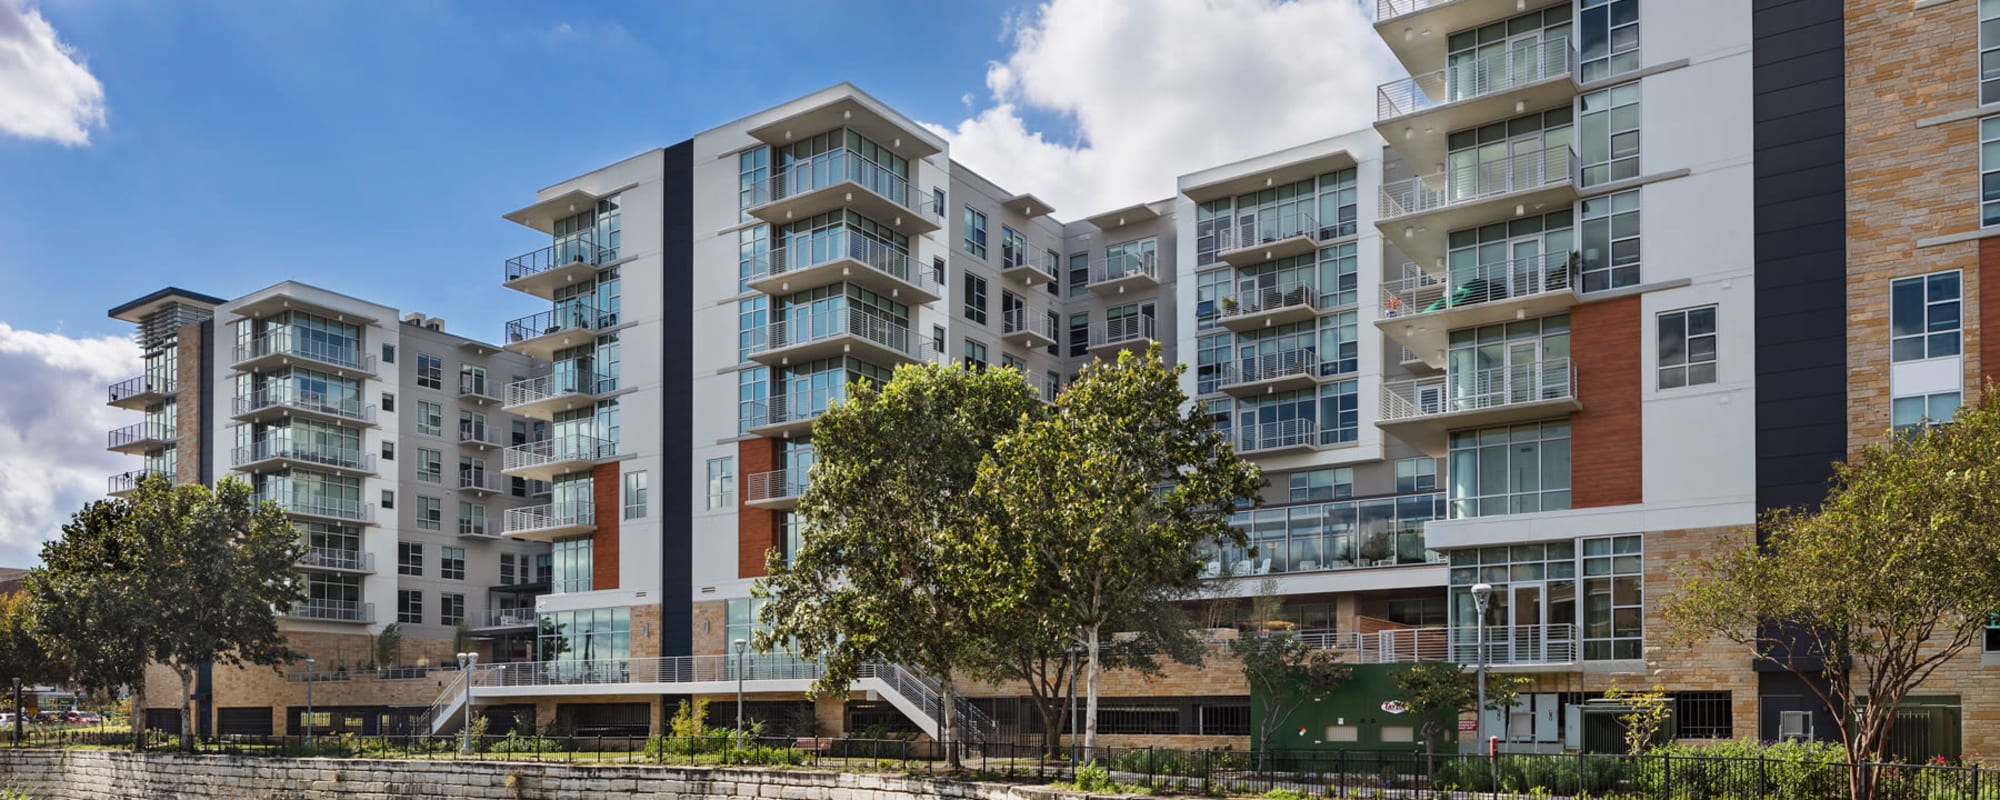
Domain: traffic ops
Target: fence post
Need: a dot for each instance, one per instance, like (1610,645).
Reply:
(1149,765)
(1340,766)
(1666,776)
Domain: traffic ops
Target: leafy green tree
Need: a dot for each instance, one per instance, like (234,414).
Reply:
(1648,714)
(389,646)
(21,654)
(1100,506)
(1438,691)
(1284,672)
(888,570)
(87,606)
(1893,577)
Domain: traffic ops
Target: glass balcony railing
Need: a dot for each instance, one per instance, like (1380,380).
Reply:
(1333,535)
(127,482)
(139,387)
(1120,267)
(334,610)
(838,166)
(582,250)
(288,397)
(1253,301)
(1472,183)
(325,456)
(569,317)
(1508,69)
(141,433)
(544,517)
(806,328)
(345,355)
(807,252)
(1419,292)
(1478,390)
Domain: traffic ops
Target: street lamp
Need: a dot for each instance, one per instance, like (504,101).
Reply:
(741,646)
(309,701)
(17,713)
(466,661)
(1482,597)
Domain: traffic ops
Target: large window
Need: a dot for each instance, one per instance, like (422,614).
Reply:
(635,495)
(451,608)
(1923,409)
(1079,274)
(1013,248)
(430,418)
(581,640)
(430,513)
(975,354)
(471,518)
(975,298)
(1416,474)
(409,607)
(1608,135)
(1517,469)
(975,233)
(1687,347)
(1989,52)
(753,397)
(1609,31)
(451,563)
(430,371)
(572,565)
(1320,484)
(752,318)
(1924,316)
(430,465)
(1613,598)
(410,559)
(1611,241)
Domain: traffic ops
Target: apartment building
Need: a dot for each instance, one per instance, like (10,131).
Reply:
(383,441)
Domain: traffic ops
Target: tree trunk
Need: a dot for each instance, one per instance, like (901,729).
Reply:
(187,708)
(948,725)
(138,715)
(1090,694)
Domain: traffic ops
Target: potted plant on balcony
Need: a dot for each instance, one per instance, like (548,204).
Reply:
(1228,305)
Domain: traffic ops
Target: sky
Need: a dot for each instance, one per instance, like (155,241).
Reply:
(370,147)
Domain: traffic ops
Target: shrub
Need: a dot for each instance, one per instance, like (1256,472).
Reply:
(1285,794)
(1094,778)
(516,744)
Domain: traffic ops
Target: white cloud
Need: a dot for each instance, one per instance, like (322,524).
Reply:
(45,91)
(52,425)
(1157,89)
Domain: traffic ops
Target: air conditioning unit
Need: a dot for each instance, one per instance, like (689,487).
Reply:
(1795,726)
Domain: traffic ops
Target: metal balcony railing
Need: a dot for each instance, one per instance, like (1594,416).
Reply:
(840,165)
(134,387)
(1506,645)
(808,252)
(481,433)
(508,618)
(543,517)
(1386,10)
(481,480)
(1028,319)
(1119,267)
(582,250)
(128,481)
(1532,382)
(476,527)
(1122,329)
(1419,292)
(1041,261)
(575,447)
(758,415)
(327,558)
(1250,300)
(160,430)
(571,316)
(806,328)
(1511,68)
(1277,435)
(330,507)
(1474,182)
(326,456)
(1270,366)
(1264,228)
(776,484)
(283,342)
(290,397)
(549,387)
(477,386)
(335,610)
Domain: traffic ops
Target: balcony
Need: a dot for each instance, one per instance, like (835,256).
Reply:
(477,529)
(1283,371)
(284,348)
(573,324)
(842,178)
(480,483)
(277,402)
(778,489)
(544,460)
(334,611)
(328,508)
(550,522)
(273,456)
(1029,268)
(497,619)
(779,420)
(848,331)
(1414,113)
(1417,30)
(476,389)
(1252,307)
(1266,237)
(1328,536)
(544,397)
(542,272)
(1551,645)
(1475,194)
(479,437)
(1424,409)
(139,437)
(138,393)
(845,256)
(1124,333)
(1276,438)
(1421,310)
(1028,327)
(345,561)
(125,483)
(1117,274)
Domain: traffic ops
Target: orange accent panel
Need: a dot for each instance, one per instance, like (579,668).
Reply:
(604,486)
(756,528)
(1606,468)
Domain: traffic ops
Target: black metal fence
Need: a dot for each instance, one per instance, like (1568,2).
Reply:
(1799,775)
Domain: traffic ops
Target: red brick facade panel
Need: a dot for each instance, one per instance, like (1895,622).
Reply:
(1605,437)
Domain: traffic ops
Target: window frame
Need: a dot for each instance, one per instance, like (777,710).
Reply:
(1688,363)
(975,233)
(975,299)
(430,371)
(1925,334)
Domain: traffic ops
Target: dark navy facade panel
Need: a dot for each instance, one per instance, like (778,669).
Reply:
(677,407)
(1801,247)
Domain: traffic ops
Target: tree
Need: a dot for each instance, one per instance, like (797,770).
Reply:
(1284,672)
(1435,689)
(888,570)
(1864,599)
(21,654)
(1105,500)
(389,646)
(87,608)
(1649,712)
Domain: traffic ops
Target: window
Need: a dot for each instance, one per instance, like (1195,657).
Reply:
(506,569)
(430,513)
(937,339)
(388,354)
(753,254)
(975,354)
(1518,469)
(451,608)
(1608,135)
(430,465)
(471,518)
(1079,274)
(572,565)
(635,494)
(1416,475)
(1687,347)
(1013,248)
(1924,319)
(410,559)
(753,179)
(1909,412)
(1611,241)
(430,418)
(1610,38)
(430,371)
(1613,595)
(451,563)
(1702,715)
(409,607)
(975,233)
(721,483)
(975,298)
(1340,412)
(388,499)
(388,402)
(1422,612)
(937,202)
(1079,334)
(753,318)
(1321,484)
(753,395)
(388,451)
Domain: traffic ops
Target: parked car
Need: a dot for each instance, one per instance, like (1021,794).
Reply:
(48,716)
(6,718)
(82,717)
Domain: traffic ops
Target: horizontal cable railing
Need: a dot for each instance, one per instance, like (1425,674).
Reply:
(571,316)
(557,450)
(477,386)
(336,610)
(134,387)
(1265,228)
(283,342)
(1531,382)
(1250,300)
(1277,435)
(128,481)
(507,618)
(330,507)
(323,456)
(775,484)
(151,431)
(837,166)
(1028,319)
(332,558)
(1551,643)
(1270,366)
(1122,329)
(807,327)
(1473,182)
(1119,267)
(1419,292)
(554,515)
(579,250)
(758,415)
(551,386)
(1386,10)
(1509,68)
(289,397)
(806,252)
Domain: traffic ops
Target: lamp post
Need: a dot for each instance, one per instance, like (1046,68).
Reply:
(18,712)
(741,647)
(309,701)
(466,662)
(1482,597)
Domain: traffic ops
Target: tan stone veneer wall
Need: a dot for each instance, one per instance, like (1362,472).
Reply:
(242,687)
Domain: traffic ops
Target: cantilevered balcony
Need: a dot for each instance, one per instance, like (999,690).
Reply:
(782,419)
(325,559)
(1123,333)
(854,331)
(286,348)
(125,483)
(1254,307)
(1119,274)
(1417,30)
(139,437)
(479,390)
(334,611)
(546,459)
(482,483)
(1422,410)
(1027,267)
(844,256)
(283,400)
(138,393)
(1414,113)
(328,508)
(479,436)
(477,529)
(1272,235)
(549,522)
(1028,327)
(1420,310)
(778,489)
(571,324)
(544,397)
(1521,648)
(1283,371)
(276,456)
(1274,438)
(572,260)
(842,178)
(501,619)
(1471,195)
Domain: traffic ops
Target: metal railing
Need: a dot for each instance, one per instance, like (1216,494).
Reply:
(1386,10)
(773,485)
(134,387)
(336,610)
(478,432)
(1505,645)
(1122,329)
(758,415)
(128,481)
(580,250)
(283,342)
(476,527)
(1252,300)
(552,386)
(476,386)
(571,447)
(552,515)
(330,507)
(324,456)
(839,244)
(1265,228)
(1119,267)
(1473,182)
(330,558)
(482,481)
(1037,260)
(806,328)
(508,618)
(1028,319)
(1535,381)
(1269,366)
(150,431)
(1419,292)
(1277,435)
(290,397)
(837,166)
(1510,68)
(571,316)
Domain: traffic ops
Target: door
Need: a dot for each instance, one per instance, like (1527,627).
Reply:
(1523,640)
(1524,59)
(1524,270)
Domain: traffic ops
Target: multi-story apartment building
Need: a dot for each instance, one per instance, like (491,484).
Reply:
(383,441)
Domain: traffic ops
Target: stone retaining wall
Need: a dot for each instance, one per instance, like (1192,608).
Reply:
(91,774)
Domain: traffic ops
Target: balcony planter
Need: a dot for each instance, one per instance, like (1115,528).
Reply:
(1229,305)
